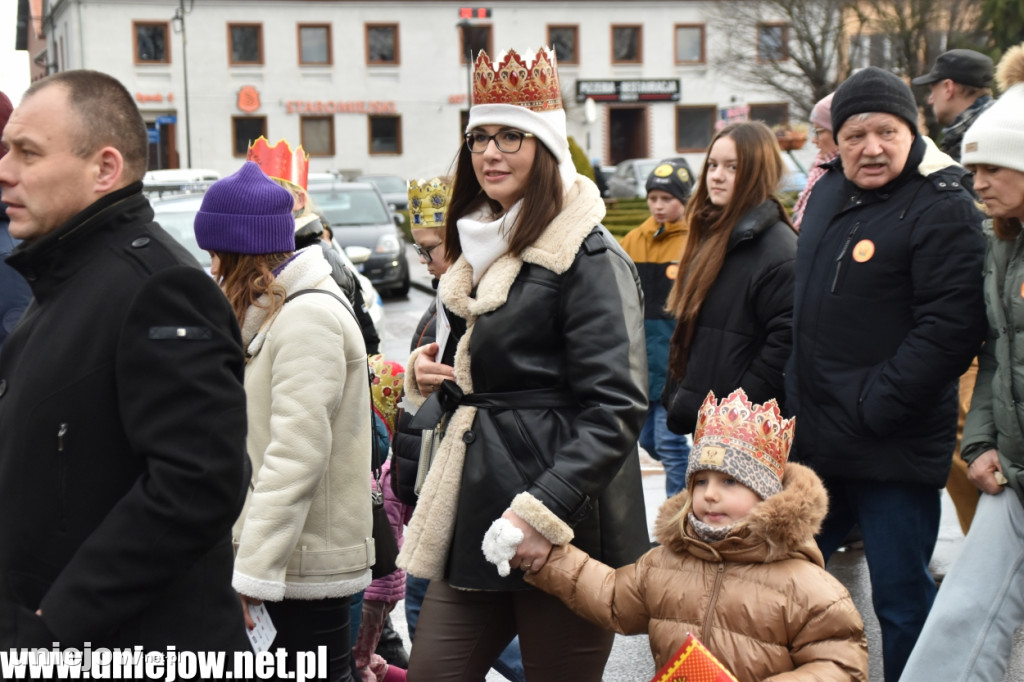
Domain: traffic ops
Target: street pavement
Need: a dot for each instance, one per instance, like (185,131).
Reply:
(631,660)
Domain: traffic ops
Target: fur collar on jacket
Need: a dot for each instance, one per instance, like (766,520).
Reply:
(429,536)
(307,270)
(781,527)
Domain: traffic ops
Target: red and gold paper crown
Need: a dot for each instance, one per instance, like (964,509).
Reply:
(280,162)
(428,202)
(736,425)
(513,81)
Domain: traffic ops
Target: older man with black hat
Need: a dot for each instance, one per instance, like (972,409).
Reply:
(888,313)
(960,91)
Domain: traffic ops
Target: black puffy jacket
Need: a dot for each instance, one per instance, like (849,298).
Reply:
(888,314)
(744,328)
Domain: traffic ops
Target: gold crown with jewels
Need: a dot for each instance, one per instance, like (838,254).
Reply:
(735,424)
(512,80)
(428,202)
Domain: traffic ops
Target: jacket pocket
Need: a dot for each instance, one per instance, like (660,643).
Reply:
(841,257)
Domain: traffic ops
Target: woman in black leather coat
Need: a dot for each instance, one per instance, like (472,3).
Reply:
(544,381)
(733,298)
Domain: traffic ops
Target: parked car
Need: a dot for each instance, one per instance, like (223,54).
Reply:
(796,178)
(359,217)
(394,189)
(629,179)
(178,181)
(177,214)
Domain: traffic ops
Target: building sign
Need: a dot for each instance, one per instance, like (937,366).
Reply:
(145,97)
(638,90)
(248,99)
(294,106)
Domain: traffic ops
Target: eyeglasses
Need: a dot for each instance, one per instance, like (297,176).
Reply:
(508,141)
(424,253)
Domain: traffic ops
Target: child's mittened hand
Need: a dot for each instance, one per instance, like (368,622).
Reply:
(500,543)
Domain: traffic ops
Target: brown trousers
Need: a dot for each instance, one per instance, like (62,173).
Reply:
(460,633)
(963,493)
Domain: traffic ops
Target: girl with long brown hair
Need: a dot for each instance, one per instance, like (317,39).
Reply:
(733,296)
(303,540)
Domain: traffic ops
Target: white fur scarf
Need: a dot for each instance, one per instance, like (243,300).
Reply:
(429,535)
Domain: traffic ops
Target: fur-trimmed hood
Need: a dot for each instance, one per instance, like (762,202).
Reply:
(781,527)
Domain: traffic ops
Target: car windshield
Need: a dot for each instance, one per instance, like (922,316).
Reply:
(644,168)
(348,207)
(178,219)
(387,184)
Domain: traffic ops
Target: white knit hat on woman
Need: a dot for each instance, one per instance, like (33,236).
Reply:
(997,136)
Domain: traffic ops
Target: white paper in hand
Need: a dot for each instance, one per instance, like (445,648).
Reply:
(261,636)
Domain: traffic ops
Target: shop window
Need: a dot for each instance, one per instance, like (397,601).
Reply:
(245,130)
(245,43)
(385,134)
(771,114)
(695,126)
(315,44)
(151,44)
(317,135)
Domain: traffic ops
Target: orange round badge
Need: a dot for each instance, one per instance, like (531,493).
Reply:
(1022,290)
(863,251)
(672,270)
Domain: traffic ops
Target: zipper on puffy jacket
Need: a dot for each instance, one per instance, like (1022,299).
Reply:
(842,256)
(705,635)
(62,431)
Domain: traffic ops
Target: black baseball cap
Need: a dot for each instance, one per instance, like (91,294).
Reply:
(966,67)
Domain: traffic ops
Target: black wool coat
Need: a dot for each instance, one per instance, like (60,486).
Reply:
(888,314)
(122,441)
(744,328)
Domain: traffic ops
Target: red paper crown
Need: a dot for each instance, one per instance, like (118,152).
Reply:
(278,161)
(758,430)
(512,81)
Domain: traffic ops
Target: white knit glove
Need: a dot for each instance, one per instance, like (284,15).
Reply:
(500,543)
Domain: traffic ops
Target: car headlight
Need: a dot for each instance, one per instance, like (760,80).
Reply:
(388,244)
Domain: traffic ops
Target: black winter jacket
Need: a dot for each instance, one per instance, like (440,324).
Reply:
(122,440)
(744,328)
(888,314)
(565,323)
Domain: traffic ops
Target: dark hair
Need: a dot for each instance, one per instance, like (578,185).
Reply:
(106,116)
(1006,229)
(542,201)
(245,277)
(759,170)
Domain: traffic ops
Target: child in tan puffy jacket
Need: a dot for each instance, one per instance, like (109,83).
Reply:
(737,563)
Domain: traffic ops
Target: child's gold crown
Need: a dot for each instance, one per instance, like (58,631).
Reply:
(731,434)
(513,81)
(428,202)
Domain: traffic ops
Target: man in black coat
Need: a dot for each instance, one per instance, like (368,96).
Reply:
(122,411)
(888,313)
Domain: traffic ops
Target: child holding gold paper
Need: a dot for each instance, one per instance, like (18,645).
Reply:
(737,564)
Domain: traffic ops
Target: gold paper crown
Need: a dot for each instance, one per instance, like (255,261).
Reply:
(428,202)
(280,162)
(512,81)
(758,430)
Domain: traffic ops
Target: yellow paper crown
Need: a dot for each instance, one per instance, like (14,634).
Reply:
(513,81)
(428,202)
(757,430)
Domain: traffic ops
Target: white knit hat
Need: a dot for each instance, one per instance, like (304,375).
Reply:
(997,136)
(523,94)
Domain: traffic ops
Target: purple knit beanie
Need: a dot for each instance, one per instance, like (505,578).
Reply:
(246,212)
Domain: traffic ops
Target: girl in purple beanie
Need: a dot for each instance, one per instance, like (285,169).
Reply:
(303,541)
